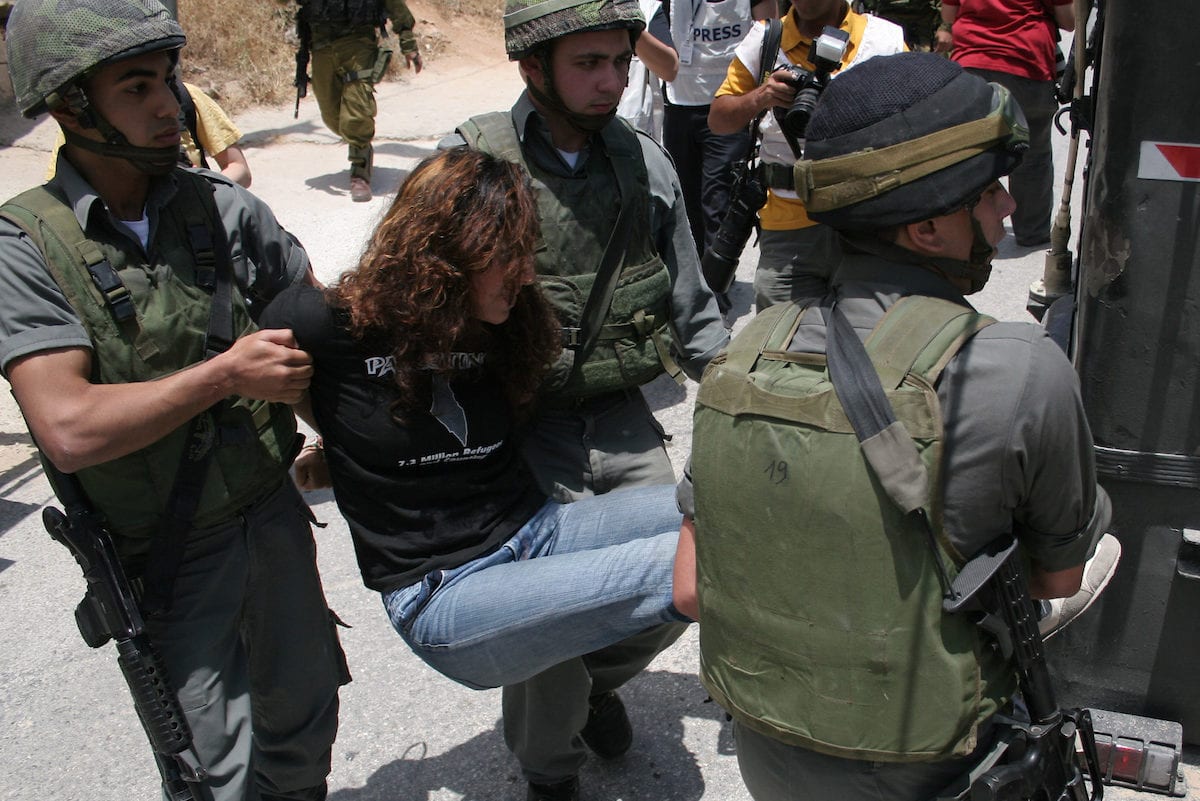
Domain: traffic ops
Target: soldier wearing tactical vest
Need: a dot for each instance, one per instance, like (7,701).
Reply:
(129,290)
(617,261)
(819,595)
(347,62)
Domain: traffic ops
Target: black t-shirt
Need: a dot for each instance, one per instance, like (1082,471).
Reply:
(441,488)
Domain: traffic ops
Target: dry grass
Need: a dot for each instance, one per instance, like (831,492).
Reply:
(242,52)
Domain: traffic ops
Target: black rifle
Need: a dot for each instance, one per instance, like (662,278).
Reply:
(304,33)
(109,611)
(1041,762)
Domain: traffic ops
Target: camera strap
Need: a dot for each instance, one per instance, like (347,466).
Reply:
(772,38)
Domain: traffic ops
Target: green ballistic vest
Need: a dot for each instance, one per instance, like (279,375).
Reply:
(165,332)
(577,215)
(820,604)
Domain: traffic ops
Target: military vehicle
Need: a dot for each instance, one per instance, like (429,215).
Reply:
(1130,319)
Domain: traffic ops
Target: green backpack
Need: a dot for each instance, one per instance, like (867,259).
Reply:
(821,601)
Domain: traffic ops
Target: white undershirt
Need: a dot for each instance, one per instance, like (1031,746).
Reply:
(141,228)
(570,157)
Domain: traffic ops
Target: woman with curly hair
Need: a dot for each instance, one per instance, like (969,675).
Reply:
(426,359)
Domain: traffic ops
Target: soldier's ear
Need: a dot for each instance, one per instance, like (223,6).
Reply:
(923,236)
(533,70)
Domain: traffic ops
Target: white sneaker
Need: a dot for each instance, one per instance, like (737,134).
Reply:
(1097,573)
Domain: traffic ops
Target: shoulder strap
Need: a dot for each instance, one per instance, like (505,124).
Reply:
(919,335)
(772,38)
(187,108)
(45,216)
(624,151)
(496,132)
(922,326)
(207,238)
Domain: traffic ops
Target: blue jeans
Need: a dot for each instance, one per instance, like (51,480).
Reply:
(572,580)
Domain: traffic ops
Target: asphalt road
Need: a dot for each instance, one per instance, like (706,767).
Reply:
(67,730)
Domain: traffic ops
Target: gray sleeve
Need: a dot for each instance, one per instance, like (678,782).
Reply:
(696,321)
(34,313)
(685,492)
(1053,466)
(266,258)
(1018,451)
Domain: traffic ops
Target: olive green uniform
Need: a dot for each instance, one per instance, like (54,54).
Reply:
(344,54)
(248,640)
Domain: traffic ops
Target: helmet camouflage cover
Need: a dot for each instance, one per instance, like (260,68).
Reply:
(52,44)
(529,23)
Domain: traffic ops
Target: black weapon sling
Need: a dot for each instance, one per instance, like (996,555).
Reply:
(215,270)
(599,300)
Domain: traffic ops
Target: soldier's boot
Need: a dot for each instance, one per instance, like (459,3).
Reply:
(361,160)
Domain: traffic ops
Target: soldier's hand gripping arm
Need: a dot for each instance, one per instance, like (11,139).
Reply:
(79,424)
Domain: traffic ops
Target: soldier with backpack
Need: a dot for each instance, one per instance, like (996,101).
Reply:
(851,453)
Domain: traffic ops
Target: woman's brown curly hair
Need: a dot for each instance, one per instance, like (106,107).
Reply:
(458,213)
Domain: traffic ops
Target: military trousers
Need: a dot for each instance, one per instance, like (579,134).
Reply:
(704,161)
(1032,183)
(348,107)
(776,771)
(251,649)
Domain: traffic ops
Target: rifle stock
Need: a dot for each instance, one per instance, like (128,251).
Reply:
(109,611)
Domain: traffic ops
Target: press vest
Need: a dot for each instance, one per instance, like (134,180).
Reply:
(168,300)
(577,216)
(820,600)
(711,33)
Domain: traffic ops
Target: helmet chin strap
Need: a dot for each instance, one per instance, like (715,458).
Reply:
(150,160)
(977,268)
(550,99)
(974,270)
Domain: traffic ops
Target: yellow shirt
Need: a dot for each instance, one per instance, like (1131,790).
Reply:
(869,36)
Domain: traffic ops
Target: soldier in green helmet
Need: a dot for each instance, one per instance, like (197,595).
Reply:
(617,261)
(833,500)
(127,306)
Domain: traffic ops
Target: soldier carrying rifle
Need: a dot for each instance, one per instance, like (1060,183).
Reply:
(130,290)
(853,453)
(347,62)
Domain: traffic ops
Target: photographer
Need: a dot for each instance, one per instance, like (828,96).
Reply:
(796,255)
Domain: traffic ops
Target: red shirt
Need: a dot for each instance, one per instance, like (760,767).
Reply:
(1013,36)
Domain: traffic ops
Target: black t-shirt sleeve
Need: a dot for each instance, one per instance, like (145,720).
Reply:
(304,310)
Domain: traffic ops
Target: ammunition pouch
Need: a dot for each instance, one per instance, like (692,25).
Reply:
(383,57)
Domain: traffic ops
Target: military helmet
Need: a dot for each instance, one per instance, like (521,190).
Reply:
(529,23)
(903,138)
(53,44)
